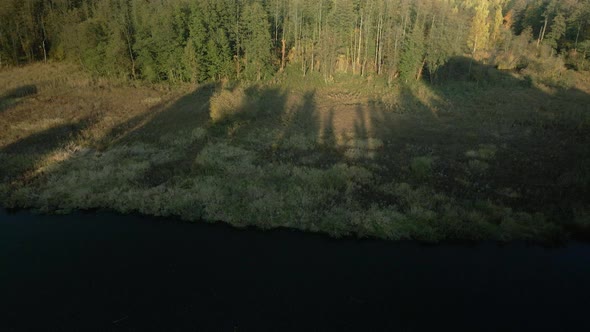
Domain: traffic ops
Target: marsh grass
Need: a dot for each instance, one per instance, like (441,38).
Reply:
(478,167)
(347,157)
(421,167)
(227,103)
(485,152)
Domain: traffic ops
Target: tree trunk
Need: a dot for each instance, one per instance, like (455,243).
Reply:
(542,32)
(44,39)
(259,73)
(358,57)
(283,42)
(128,39)
(379,45)
(44,52)
(472,55)
(419,74)
(577,37)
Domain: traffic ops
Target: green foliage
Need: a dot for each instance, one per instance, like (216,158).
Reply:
(421,167)
(546,69)
(218,55)
(558,29)
(478,167)
(485,152)
(413,53)
(341,19)
(440,44)
(256,43)
(208,40)
(161,41)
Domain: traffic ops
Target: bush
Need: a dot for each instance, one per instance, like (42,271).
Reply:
(227,103)
(548,70)
(422,166)
(226,158)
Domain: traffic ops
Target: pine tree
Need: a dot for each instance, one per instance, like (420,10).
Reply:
(412,58)
(218,57)
(256,43)
(194,51)
(558,28)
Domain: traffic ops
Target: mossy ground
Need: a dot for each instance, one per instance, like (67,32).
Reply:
(458,160)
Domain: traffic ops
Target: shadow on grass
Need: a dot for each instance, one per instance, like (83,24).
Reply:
(188,112)
(11,98)
(31,152)
(460,156)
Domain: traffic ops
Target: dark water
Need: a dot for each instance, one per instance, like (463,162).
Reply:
(108,272)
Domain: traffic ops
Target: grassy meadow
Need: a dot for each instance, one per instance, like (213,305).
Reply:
(479,155)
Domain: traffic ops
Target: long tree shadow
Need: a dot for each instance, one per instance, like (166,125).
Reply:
(31,152)
(474,146)
(539,136)
(491,138)
(13,97)
(186,113)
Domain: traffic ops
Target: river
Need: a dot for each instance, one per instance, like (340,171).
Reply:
(103,271)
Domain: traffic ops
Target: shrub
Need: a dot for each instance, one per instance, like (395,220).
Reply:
(478,166)
(547,69)
(227,103)
(365,144)
(299,142)
(422,166)
(485,152)
(226,158)
(199,133)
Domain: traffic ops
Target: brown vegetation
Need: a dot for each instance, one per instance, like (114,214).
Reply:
(452,161)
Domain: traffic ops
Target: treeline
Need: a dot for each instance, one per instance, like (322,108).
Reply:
(204,40)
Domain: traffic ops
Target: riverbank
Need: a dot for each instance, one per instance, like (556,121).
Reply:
(499,159)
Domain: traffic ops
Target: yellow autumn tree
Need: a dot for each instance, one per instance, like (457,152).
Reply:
(497,23)
(479,32)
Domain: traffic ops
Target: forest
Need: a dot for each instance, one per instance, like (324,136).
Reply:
(209,40)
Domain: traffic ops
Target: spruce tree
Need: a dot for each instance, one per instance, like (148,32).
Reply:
(256,42)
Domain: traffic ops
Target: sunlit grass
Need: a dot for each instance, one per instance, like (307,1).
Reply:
(425,163)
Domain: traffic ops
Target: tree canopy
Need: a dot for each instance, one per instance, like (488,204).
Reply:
(205,40)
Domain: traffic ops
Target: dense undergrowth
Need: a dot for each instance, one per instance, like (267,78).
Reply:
(503,157)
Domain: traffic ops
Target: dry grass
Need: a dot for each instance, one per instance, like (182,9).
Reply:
(226,103)
(428,162)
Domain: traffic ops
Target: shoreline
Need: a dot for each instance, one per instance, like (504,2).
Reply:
(460,243)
